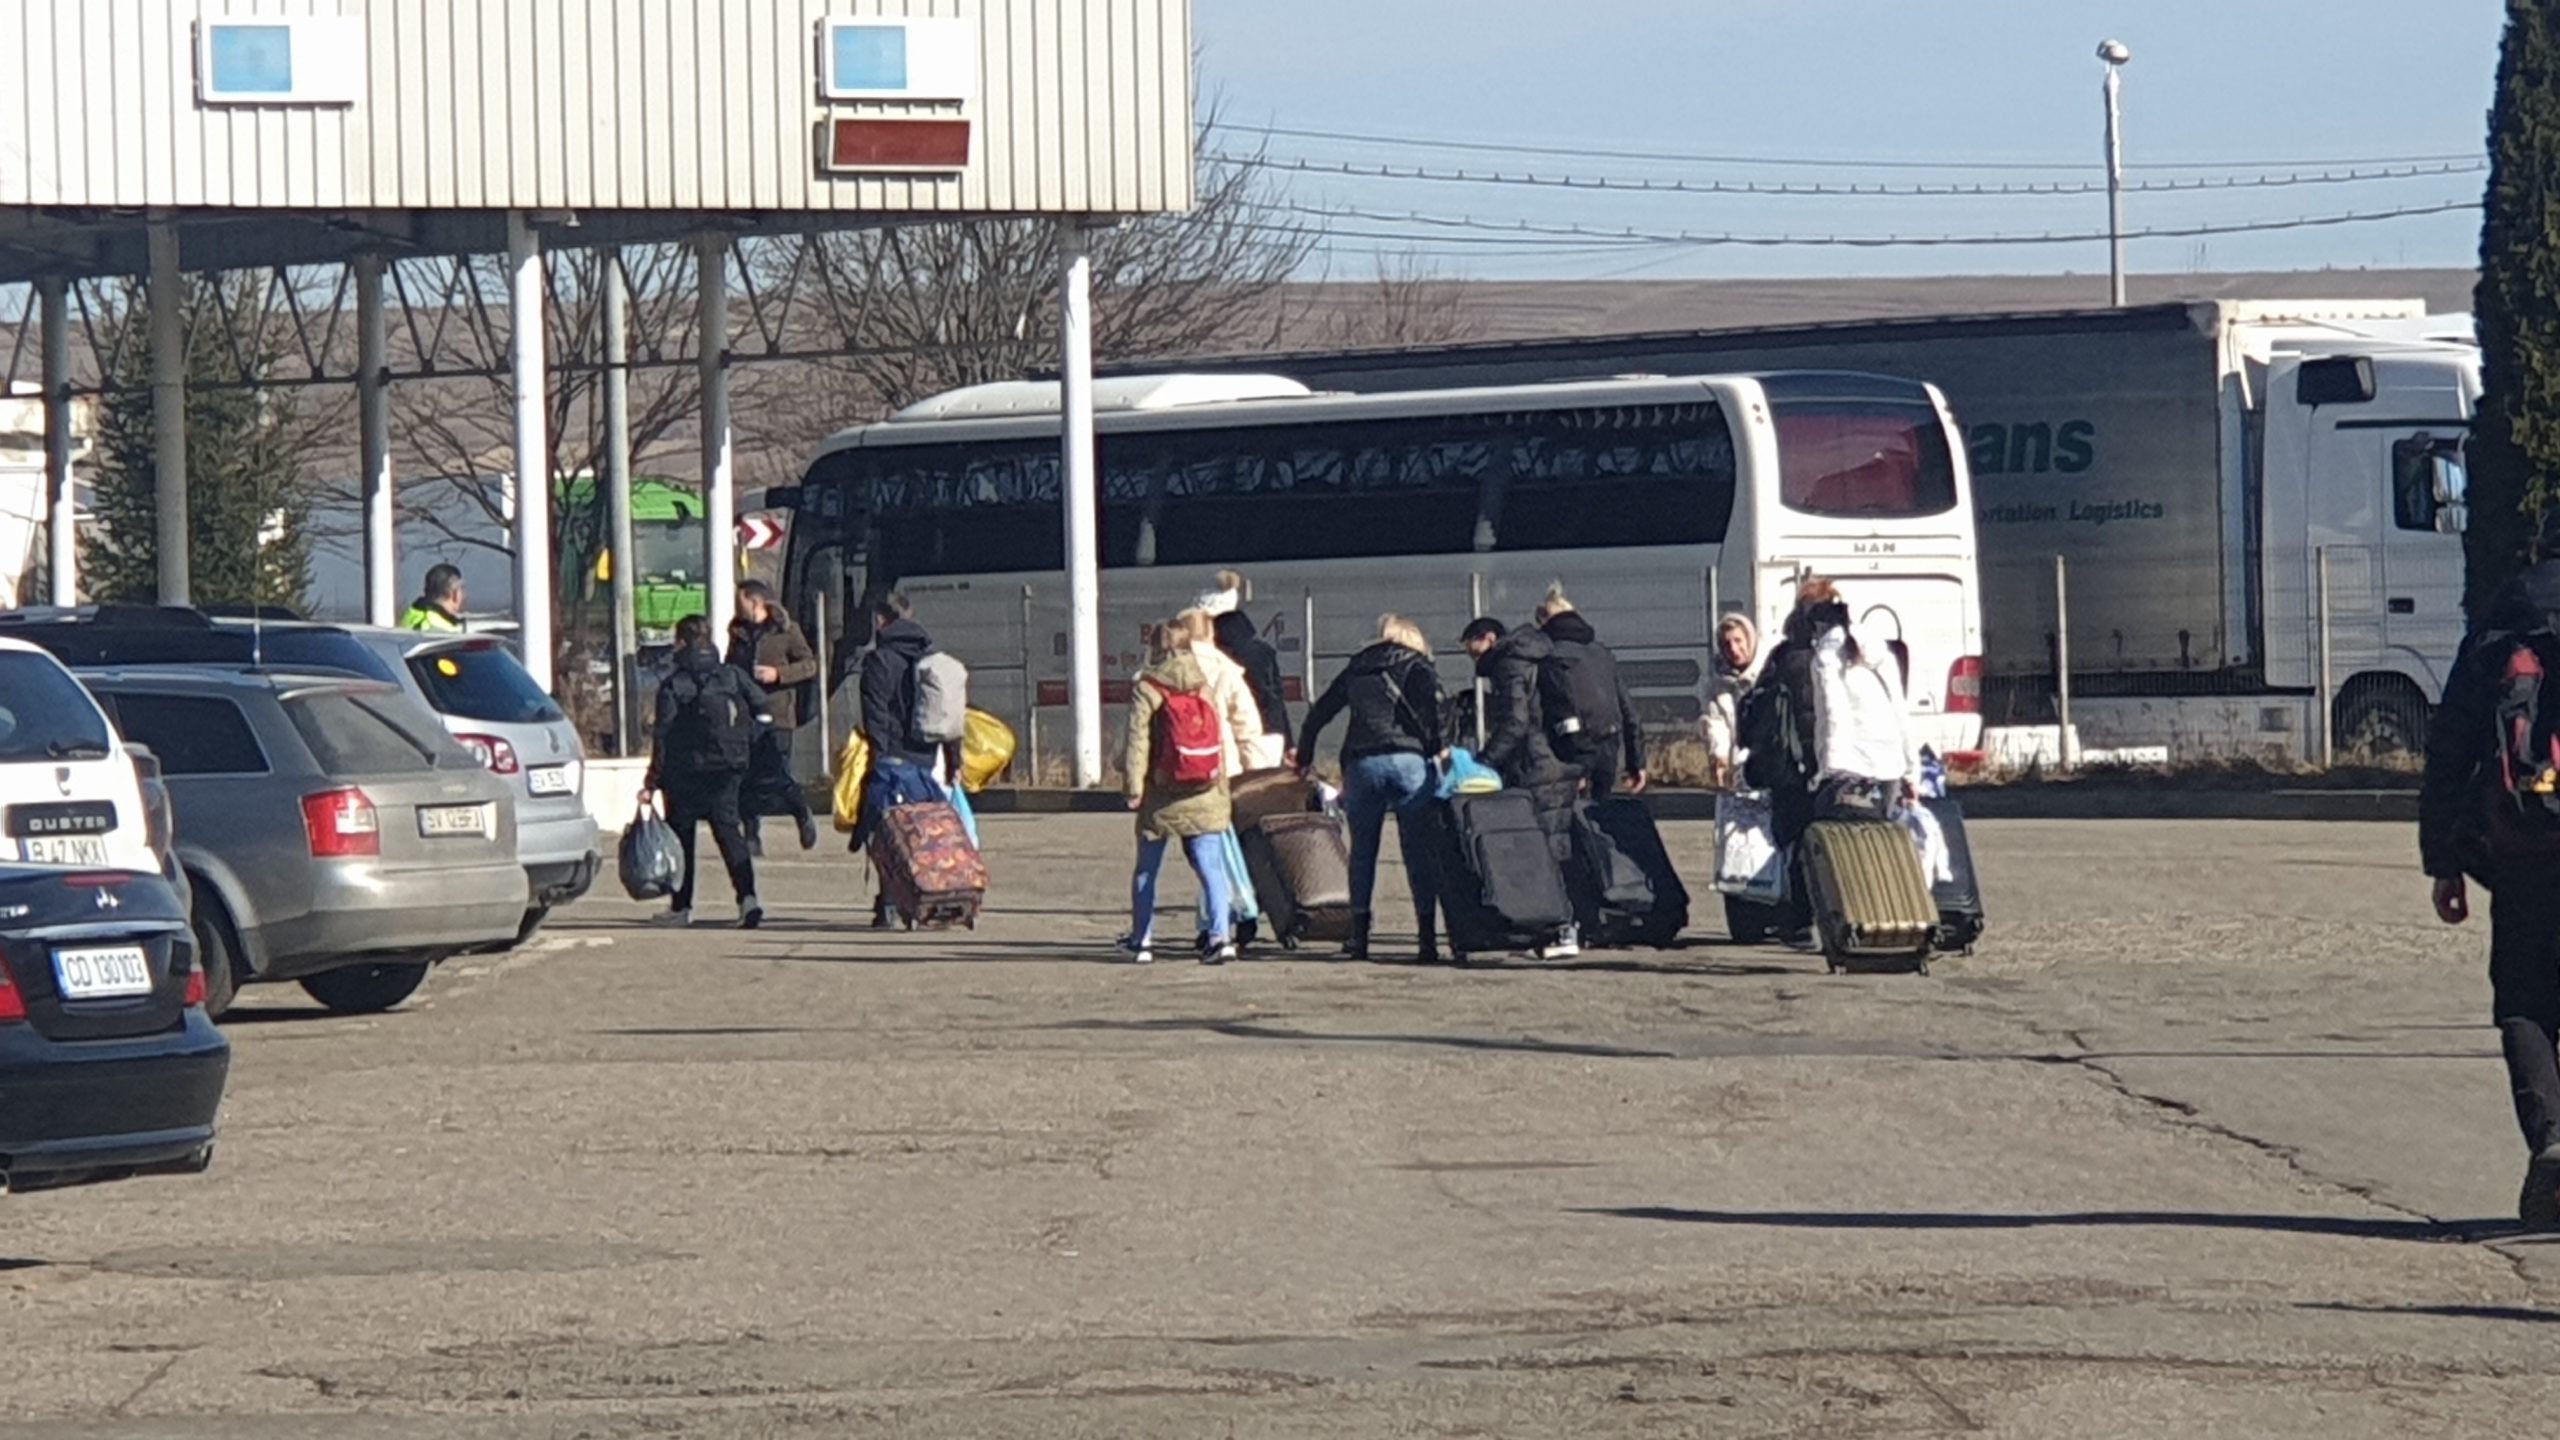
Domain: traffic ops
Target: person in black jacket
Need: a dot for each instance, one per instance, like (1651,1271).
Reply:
(706,717)
(1779,738)
(2523,880)
(889,711)
(1393,696)
(1589,716)
(1261,663)
(1516,746)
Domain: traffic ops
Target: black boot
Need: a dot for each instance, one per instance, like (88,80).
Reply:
(1357,947)
(1428,952)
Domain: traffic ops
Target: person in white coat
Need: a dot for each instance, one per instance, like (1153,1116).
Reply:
(1737,669)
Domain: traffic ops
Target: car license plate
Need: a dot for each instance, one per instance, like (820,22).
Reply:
(102,972)
(440,821)
(65,850)
(549,780)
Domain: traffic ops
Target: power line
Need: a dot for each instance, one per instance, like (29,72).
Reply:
(1299,166)
(1421,142)
(1632,237)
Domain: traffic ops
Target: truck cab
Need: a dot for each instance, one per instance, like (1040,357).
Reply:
(2362,492)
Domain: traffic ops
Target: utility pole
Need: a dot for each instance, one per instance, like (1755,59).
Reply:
(2116,53)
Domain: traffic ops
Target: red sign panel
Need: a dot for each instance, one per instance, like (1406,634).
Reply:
(896,144)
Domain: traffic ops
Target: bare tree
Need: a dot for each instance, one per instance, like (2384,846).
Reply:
(1410,301)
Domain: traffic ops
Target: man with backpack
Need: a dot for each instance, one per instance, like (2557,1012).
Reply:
(2489,810)
(764,642)
(1590,719)
(915,713)
(705,731)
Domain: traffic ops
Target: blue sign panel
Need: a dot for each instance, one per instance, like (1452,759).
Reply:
(869,58)
(250,59)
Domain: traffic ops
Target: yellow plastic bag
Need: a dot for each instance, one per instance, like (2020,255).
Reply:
(853,776)
(985,751)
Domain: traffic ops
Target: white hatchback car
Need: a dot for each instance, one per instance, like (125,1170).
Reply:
(70,796)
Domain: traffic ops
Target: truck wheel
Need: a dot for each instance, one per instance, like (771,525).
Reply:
(2381,721)
(366,989)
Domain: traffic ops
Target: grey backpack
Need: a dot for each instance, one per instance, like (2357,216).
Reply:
(942,698)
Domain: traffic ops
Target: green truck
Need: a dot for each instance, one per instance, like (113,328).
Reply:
(666,539)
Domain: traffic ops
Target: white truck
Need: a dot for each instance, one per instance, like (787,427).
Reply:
(2190,463)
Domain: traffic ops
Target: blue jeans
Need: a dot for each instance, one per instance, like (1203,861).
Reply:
(1372,786)
(1208,860)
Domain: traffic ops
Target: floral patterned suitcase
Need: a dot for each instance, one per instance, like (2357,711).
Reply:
(933,876)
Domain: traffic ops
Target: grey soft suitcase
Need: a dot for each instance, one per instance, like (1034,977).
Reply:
(1871,905)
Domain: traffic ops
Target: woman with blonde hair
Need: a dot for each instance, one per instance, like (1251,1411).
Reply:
(1178,757)
(1393,697)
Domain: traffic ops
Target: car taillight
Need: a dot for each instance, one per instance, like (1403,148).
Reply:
(195,987)
(341,824)
(1964,686)
(13,1005)
(493,753)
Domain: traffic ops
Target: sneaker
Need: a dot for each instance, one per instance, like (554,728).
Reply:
(1801,941)
(1567,946)
(808,832)
(2539,1206)
(1136,951)
(672,919)
(750,913)
(1218,954)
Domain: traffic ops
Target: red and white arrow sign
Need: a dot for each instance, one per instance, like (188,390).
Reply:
(755,532)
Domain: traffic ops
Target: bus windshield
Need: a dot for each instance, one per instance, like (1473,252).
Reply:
(1862,459)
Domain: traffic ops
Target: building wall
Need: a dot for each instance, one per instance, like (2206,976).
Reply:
(1083,106)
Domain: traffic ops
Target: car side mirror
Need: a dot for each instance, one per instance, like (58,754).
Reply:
(2452,519)
(2451,482)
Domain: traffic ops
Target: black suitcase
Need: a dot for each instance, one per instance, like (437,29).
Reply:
(1301,869)
(1960,917)
(1500,886)
(1626,892)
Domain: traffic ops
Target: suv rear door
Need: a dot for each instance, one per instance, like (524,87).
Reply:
(223,787)
(69,795)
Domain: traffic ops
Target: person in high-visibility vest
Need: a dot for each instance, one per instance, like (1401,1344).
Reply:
(439,605)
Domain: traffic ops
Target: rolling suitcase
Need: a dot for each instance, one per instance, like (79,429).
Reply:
(1500,887)
(1871,906)
(933,876)
(1960,917)
(1629,893)
(1258,795)
(1301,869)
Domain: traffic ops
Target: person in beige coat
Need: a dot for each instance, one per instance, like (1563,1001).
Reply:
(1230,690)
(1199,815)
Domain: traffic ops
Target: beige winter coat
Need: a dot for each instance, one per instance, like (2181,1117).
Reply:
(1167,812)
(1239,718)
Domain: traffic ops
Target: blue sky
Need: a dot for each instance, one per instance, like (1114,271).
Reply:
(2218,89)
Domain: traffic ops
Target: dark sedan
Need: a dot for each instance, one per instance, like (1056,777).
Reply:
(108,1066)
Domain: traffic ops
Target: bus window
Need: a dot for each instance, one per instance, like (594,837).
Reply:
(1587,479)
(1249,494)
(1855,459)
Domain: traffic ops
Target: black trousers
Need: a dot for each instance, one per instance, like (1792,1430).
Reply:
(769,787)
(692,799)
(1600,758)
(2524,985)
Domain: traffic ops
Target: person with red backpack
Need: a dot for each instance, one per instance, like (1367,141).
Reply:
(1177,760)
(2489,810)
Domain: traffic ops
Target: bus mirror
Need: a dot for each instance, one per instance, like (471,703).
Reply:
(781,497)
(2452,519)
(2452,482)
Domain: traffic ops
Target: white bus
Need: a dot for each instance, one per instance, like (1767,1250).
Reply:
(1660,503)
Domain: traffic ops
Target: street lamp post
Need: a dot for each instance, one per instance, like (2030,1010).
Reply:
(2115,53)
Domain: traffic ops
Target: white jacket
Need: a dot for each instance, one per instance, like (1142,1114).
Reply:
(1861,727)
(1239,719)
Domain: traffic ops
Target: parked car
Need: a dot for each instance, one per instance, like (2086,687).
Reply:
(474,683)
(333,833)
(109,1067)
(71,795)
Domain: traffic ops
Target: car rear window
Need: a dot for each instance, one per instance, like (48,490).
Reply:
(481,682)
(45,714)
(192,734)
(353,733)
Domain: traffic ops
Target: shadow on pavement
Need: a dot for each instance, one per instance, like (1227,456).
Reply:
(1249,1030)
(288,1015)
(2431,1231)
(2511,1313)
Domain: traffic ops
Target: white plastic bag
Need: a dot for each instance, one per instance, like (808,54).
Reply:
(1748,863)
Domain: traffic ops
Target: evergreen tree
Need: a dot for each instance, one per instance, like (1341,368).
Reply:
(2515,446)
(247,499)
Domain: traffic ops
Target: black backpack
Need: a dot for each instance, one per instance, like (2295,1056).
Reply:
(1579,681)
(1772,737)
(713,728)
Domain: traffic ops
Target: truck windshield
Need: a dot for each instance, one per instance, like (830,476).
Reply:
(1863,459)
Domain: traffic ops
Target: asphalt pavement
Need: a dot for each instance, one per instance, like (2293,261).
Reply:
(2209,1138)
